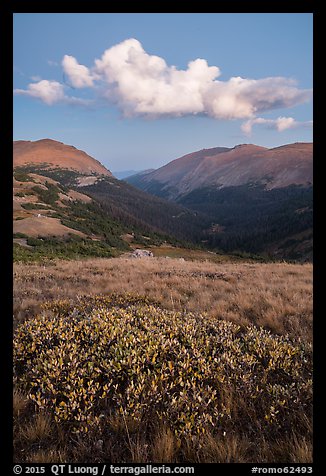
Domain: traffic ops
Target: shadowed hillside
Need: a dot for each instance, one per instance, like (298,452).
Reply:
(220,167)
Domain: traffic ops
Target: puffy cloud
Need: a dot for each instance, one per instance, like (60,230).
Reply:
(50,92)
(141,84)
(280,124)
(144,84)
(78,74)
(241,98)
(283,123)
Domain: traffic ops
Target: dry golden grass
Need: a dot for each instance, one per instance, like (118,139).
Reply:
(277,296)
(300,450)
(20,403)
(164,446)
(226,449)
(38,430)
(46,456)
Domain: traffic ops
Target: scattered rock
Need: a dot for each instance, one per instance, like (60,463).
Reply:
(142,254)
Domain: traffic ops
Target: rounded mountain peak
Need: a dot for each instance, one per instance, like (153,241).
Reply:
(51,153)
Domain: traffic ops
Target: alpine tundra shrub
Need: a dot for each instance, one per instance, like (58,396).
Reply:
(87,362)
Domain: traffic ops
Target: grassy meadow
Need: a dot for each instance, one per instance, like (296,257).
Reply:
(163,360)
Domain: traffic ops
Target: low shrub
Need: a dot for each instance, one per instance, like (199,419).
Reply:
(91,361)
(35,206)
(19,235)
(22,176)
(50,248)
(49,195)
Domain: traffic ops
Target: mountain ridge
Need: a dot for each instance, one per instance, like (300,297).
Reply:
(51,153)
(245,163)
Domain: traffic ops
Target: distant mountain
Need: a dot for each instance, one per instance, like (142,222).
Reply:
(222,167)
(53,154)
(259,200)
(128,173)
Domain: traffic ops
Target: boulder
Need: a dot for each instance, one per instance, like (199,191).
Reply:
(142,254)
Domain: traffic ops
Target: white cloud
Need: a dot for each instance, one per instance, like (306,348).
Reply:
(50,92)
(78,74)
(144,84)
(280,124)
(283,123)
(141,84)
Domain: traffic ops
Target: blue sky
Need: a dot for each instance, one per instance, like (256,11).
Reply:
(142,104)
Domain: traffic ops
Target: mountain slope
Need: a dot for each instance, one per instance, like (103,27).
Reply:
(54,154)
(135,206)
(221,167)
(51,220)
(65,203)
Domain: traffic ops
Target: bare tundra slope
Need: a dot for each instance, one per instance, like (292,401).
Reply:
(56,154)
(42,225)
(278,167)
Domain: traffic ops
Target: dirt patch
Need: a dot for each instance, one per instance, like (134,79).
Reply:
(79,196)
(27,199)
(127,237)
(21,214)
(43,226)
(41,179)
(73,195)
(23,186)
(16,206)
